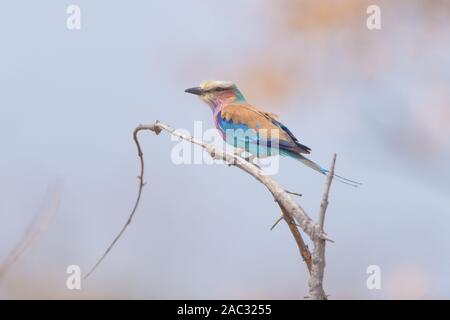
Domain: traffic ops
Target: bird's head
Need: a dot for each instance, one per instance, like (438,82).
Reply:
(217,93)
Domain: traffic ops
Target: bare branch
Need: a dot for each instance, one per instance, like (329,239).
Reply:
(276,223)
(324,203)
(293,214)
(316,291)
(302,247)
(138,198)
(37,227)
(294,193)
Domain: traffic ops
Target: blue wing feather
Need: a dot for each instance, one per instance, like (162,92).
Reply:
(252,137)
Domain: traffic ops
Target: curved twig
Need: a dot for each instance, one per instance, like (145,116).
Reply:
(138,198)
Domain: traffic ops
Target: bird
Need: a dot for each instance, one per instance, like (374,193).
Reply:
(251,129)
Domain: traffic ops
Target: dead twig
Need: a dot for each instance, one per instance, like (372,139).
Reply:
(138,198)
(37,227)
(316,291)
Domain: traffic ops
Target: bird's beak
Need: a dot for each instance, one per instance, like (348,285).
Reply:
(195,90)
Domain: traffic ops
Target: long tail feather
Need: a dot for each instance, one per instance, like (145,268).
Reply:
(321,170)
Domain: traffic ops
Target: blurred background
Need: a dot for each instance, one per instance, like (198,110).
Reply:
(70,99)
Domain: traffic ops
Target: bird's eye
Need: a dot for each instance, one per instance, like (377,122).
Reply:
(220,89)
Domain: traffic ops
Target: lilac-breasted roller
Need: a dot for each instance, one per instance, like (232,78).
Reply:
(247,127)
